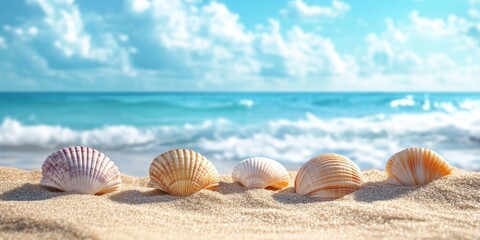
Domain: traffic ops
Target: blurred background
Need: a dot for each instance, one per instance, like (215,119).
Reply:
(236,79)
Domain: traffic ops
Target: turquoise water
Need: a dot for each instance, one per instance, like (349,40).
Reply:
(132,128)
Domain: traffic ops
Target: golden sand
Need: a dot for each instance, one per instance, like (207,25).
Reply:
(447,208)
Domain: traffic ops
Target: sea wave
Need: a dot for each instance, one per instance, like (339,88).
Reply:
(428,105)
(369,141)
(403,102)
(246,102)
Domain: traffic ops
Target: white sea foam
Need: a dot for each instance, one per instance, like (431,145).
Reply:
(445,106)
(469,104)
(403,102)
(426,105)
(369,141)
(246,102)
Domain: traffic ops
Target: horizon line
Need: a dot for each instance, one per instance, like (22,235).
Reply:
(234,92)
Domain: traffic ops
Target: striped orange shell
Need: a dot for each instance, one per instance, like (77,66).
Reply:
(328,177)
(182,172)
(416,166)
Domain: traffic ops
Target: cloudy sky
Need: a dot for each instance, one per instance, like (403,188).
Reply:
(190,45)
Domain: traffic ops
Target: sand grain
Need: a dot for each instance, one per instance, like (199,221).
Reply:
(447,208)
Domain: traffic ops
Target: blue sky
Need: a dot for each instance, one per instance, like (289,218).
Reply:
(191,45)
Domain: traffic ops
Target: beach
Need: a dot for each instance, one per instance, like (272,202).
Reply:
(448,208)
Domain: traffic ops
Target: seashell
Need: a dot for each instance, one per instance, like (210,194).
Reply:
(328,177)
(260,172)
(80,170)
(182,172)
(416,166)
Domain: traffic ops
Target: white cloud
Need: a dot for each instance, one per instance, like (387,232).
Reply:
(225,25)
(304,54)
(474,13)
(207,45)
(18,31)
(66,29)
(123,38)
(3,43)
(22,32)
(221,50)
(387,52)
(437,27)
(298,8)
(210,39)
(415,53)
(64,19)
(140,5)
(33,31)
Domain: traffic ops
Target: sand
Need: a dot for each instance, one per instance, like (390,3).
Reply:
(447,208)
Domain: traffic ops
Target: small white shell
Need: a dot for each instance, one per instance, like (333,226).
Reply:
(182,172)
(328,177)
(260,172)
(80,170)
(416,166)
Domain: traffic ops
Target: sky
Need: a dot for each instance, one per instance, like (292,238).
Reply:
(191,45)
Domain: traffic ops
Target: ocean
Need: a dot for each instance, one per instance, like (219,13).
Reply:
(133,128)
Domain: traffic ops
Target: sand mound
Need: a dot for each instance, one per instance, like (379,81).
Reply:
(447,208)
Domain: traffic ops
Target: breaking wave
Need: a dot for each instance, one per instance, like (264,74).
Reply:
(369,141)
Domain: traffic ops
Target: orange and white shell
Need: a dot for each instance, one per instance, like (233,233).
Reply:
(328,177)
(80,170)
(182,172)
(260,172)
(416,166)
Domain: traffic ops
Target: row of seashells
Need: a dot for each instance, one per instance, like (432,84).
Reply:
(183,172)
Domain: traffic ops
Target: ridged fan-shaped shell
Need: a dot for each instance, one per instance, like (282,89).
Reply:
(182,172)
(80,170)
(328,177)
(416,166)
(260,172)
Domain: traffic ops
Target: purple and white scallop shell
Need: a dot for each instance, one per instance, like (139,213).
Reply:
(80,170)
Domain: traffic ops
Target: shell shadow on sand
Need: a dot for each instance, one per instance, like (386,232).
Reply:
(155,195)
(381,191)
(230,188)
(288,196)
(369,192)
(30,192)
(136,197)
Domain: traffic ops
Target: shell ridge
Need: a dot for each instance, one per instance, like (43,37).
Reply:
(163,166)
(64,162)
(50,166)
(185,171)
(203,173)
(159,165)
(101,165)
(51,178)
(416,166)
(211,175)
(77,169)
(328,177)
(171,163)
(83,168)
(113,179)
(90,164)
(72,170)
(174,157)
(100,159)
(260,172)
